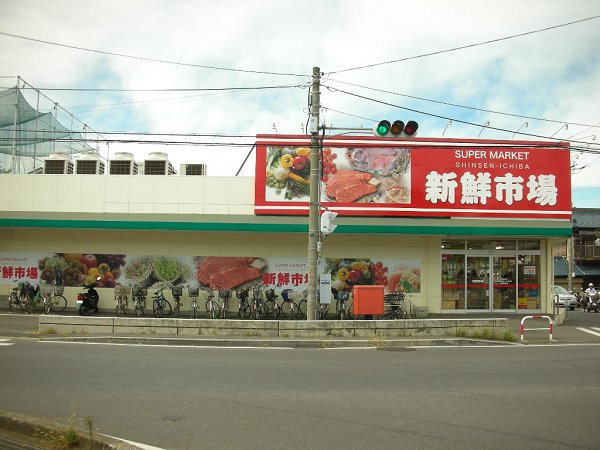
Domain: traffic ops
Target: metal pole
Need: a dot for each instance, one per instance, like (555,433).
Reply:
(14,149)
(313,212)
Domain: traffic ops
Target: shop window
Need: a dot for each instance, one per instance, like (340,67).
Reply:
(528,286)
(529,245)
(453,281)
(453,244)
(504,244)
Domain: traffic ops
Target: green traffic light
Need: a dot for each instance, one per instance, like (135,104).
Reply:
(383,128)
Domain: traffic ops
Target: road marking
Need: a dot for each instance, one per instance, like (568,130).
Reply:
(240,347)
(136,444)
(5,342)
(595,333)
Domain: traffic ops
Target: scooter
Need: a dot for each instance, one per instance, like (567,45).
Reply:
(578,297)
(593,304)
(87,302)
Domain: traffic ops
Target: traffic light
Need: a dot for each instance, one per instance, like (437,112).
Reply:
(396,129)
(327,226)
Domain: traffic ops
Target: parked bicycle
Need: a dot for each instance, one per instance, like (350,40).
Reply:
(271,303)
(341,297)
(193,292)
(244,306)
(177,292)
(212,307)
(289,307)
(224,296)
(139,295)
(121,300)
(21,295)
(160,305)
(259,308)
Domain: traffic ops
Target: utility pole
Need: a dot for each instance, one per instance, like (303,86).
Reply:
(314,205)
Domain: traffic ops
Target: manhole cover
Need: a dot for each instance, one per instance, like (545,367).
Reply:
(172,418)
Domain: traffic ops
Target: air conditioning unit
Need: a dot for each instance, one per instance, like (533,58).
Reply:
(58,164)
(192,169)
(123,164)
(89,164)
(158,164)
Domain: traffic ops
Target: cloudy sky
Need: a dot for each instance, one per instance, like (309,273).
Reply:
(164,71)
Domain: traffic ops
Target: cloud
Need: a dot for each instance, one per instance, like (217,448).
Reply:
(549,75)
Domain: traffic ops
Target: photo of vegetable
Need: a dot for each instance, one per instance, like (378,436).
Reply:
(288,171)
(349,272)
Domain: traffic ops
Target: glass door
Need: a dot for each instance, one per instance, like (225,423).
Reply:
(505,282)
(478,282)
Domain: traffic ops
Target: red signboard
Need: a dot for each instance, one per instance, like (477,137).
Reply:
(417,177)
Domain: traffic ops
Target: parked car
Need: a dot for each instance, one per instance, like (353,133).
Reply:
(563,297)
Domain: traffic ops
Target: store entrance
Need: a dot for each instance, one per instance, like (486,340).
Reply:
(486,276)
(478,282)
(491,290)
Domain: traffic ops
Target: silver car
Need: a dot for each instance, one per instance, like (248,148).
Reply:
(563,297)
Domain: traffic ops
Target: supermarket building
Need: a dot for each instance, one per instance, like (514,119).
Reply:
(462,225)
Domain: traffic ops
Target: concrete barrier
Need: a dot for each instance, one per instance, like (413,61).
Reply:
(77,325)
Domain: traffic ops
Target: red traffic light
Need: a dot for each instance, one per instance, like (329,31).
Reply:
(411,128)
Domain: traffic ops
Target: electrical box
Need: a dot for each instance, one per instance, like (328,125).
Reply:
(325,288)
(367,300)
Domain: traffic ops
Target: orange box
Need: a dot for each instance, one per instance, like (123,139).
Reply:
(367,300)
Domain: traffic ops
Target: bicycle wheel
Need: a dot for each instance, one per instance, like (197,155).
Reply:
(294,311)
(212,308)
(193,313)
(245,311)
(341,310)
(57,303)
(263,311)
(138,308)
(166,307)
(177,307)
(223,312)
(302,308)
(119,308)
(350,312)
(26,303)
(12,302)
(273,308)
(47,305)
(285,308)
(324,310)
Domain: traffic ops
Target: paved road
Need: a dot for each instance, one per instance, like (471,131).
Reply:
(221,398)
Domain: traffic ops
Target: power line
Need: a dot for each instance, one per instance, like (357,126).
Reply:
(251,88)
(473,108)
(141,58)
(439,52)
(448,118)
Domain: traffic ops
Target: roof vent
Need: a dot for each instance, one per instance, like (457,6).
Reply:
(58,164)
(192,169)
(158,164)
(123,164)
(89,164)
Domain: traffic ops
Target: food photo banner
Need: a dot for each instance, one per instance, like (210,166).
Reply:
(409,179)
(209,272)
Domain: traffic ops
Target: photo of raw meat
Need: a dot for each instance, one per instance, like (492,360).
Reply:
(349,186)
(228,272)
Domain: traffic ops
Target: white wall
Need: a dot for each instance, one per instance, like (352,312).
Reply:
(136,194)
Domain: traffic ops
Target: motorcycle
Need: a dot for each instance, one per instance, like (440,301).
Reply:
(593,303)
(87,302)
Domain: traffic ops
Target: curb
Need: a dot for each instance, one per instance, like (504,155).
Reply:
(42,432)
(276,343)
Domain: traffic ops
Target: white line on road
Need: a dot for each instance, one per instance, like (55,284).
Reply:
(135,444)
(595,333)
(168,346)
(5,342)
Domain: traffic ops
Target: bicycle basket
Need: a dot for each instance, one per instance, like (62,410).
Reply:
(394,297)
(59,289)
(136,290)
(176,290)
(342,295)
(224,293)
(120,290)
(193,291)
(270,294)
